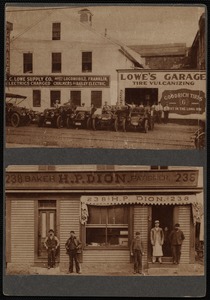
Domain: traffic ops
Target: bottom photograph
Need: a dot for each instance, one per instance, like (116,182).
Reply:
(116,220)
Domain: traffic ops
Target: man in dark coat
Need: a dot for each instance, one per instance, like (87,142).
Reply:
(176,238)
(72,246)
(137,250)
(51,243)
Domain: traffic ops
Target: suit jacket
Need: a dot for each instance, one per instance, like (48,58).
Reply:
(176,237)
(76,244)
(137,244)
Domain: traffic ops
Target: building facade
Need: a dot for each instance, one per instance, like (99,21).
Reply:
(105,206)
(197,52)
(61,56)
(163,56)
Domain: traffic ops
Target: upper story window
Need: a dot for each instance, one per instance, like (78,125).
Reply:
(159,167)
(86,61)
(56,62)
(27,63)
(56,31)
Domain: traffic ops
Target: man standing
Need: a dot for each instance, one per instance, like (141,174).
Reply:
(72,246)
(157,240)
(166,113)
(137,250)
(159,109)
(176,238)
(51,243)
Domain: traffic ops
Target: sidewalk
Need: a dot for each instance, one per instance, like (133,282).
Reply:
(182,270)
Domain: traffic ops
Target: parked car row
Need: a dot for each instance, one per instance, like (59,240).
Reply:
(115,118)
(67,115)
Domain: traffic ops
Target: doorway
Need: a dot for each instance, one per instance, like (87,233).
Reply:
(164,213)
(138,95)
(46,221)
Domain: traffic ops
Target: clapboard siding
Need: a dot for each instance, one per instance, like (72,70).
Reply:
(22,231)
(69,220)
(141,224)
(106,256)
(184,221)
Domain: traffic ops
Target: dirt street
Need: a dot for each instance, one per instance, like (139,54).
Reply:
(164,136)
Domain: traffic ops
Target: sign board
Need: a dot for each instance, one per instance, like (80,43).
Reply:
(184,101)
(101,180)
(185,91)
(59,81)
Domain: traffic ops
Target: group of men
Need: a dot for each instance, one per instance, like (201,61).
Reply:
(176,238)
(73,247)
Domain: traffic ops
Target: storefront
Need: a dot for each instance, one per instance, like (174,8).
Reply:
(183,91)
(104,208)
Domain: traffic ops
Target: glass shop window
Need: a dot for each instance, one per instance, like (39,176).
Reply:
(107,226)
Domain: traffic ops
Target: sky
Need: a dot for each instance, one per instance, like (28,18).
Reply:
(132,25)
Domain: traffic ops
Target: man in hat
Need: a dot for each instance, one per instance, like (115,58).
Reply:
(72,246)
(137,250)
(157,240)
(51,243)
(176,239)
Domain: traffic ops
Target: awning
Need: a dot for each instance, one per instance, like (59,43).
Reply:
(107,200)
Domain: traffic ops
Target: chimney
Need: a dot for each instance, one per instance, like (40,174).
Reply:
(85,16)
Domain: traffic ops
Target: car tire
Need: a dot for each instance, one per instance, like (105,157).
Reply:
(89,123)
(146,126)
(124,125)
(15,120)
(116,125)
(40,122)
(68,122)
(151,124)
(28,122)
(94,124)
(59,122)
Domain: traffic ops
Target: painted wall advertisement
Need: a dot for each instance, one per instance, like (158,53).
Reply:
(183,91)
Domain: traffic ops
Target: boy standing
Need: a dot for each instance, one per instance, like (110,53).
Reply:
(137,250)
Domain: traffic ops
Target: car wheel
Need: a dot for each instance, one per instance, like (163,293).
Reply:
(28,121)
(40,122)
(116,125)
(94,124)
(15,120)
(146,126)
(59,122)
(89,123)
(68,122)
(123,125)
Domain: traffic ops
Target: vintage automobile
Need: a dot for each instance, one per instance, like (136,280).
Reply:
(79,118)
(137,119)
(103,119)
(55,116)
(16,115)
(199,135)
(122,113)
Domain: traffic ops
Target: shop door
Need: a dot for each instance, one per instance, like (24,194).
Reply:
(164,213)
(47,221)
(144,95)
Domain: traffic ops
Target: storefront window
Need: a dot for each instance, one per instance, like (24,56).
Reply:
(107,226)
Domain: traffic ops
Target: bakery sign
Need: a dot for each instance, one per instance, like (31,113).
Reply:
(184,101)
(59,81)
(100,180)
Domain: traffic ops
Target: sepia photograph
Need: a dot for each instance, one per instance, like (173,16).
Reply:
(105,76)
(104,220)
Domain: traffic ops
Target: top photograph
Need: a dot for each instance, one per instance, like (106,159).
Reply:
(112,77)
